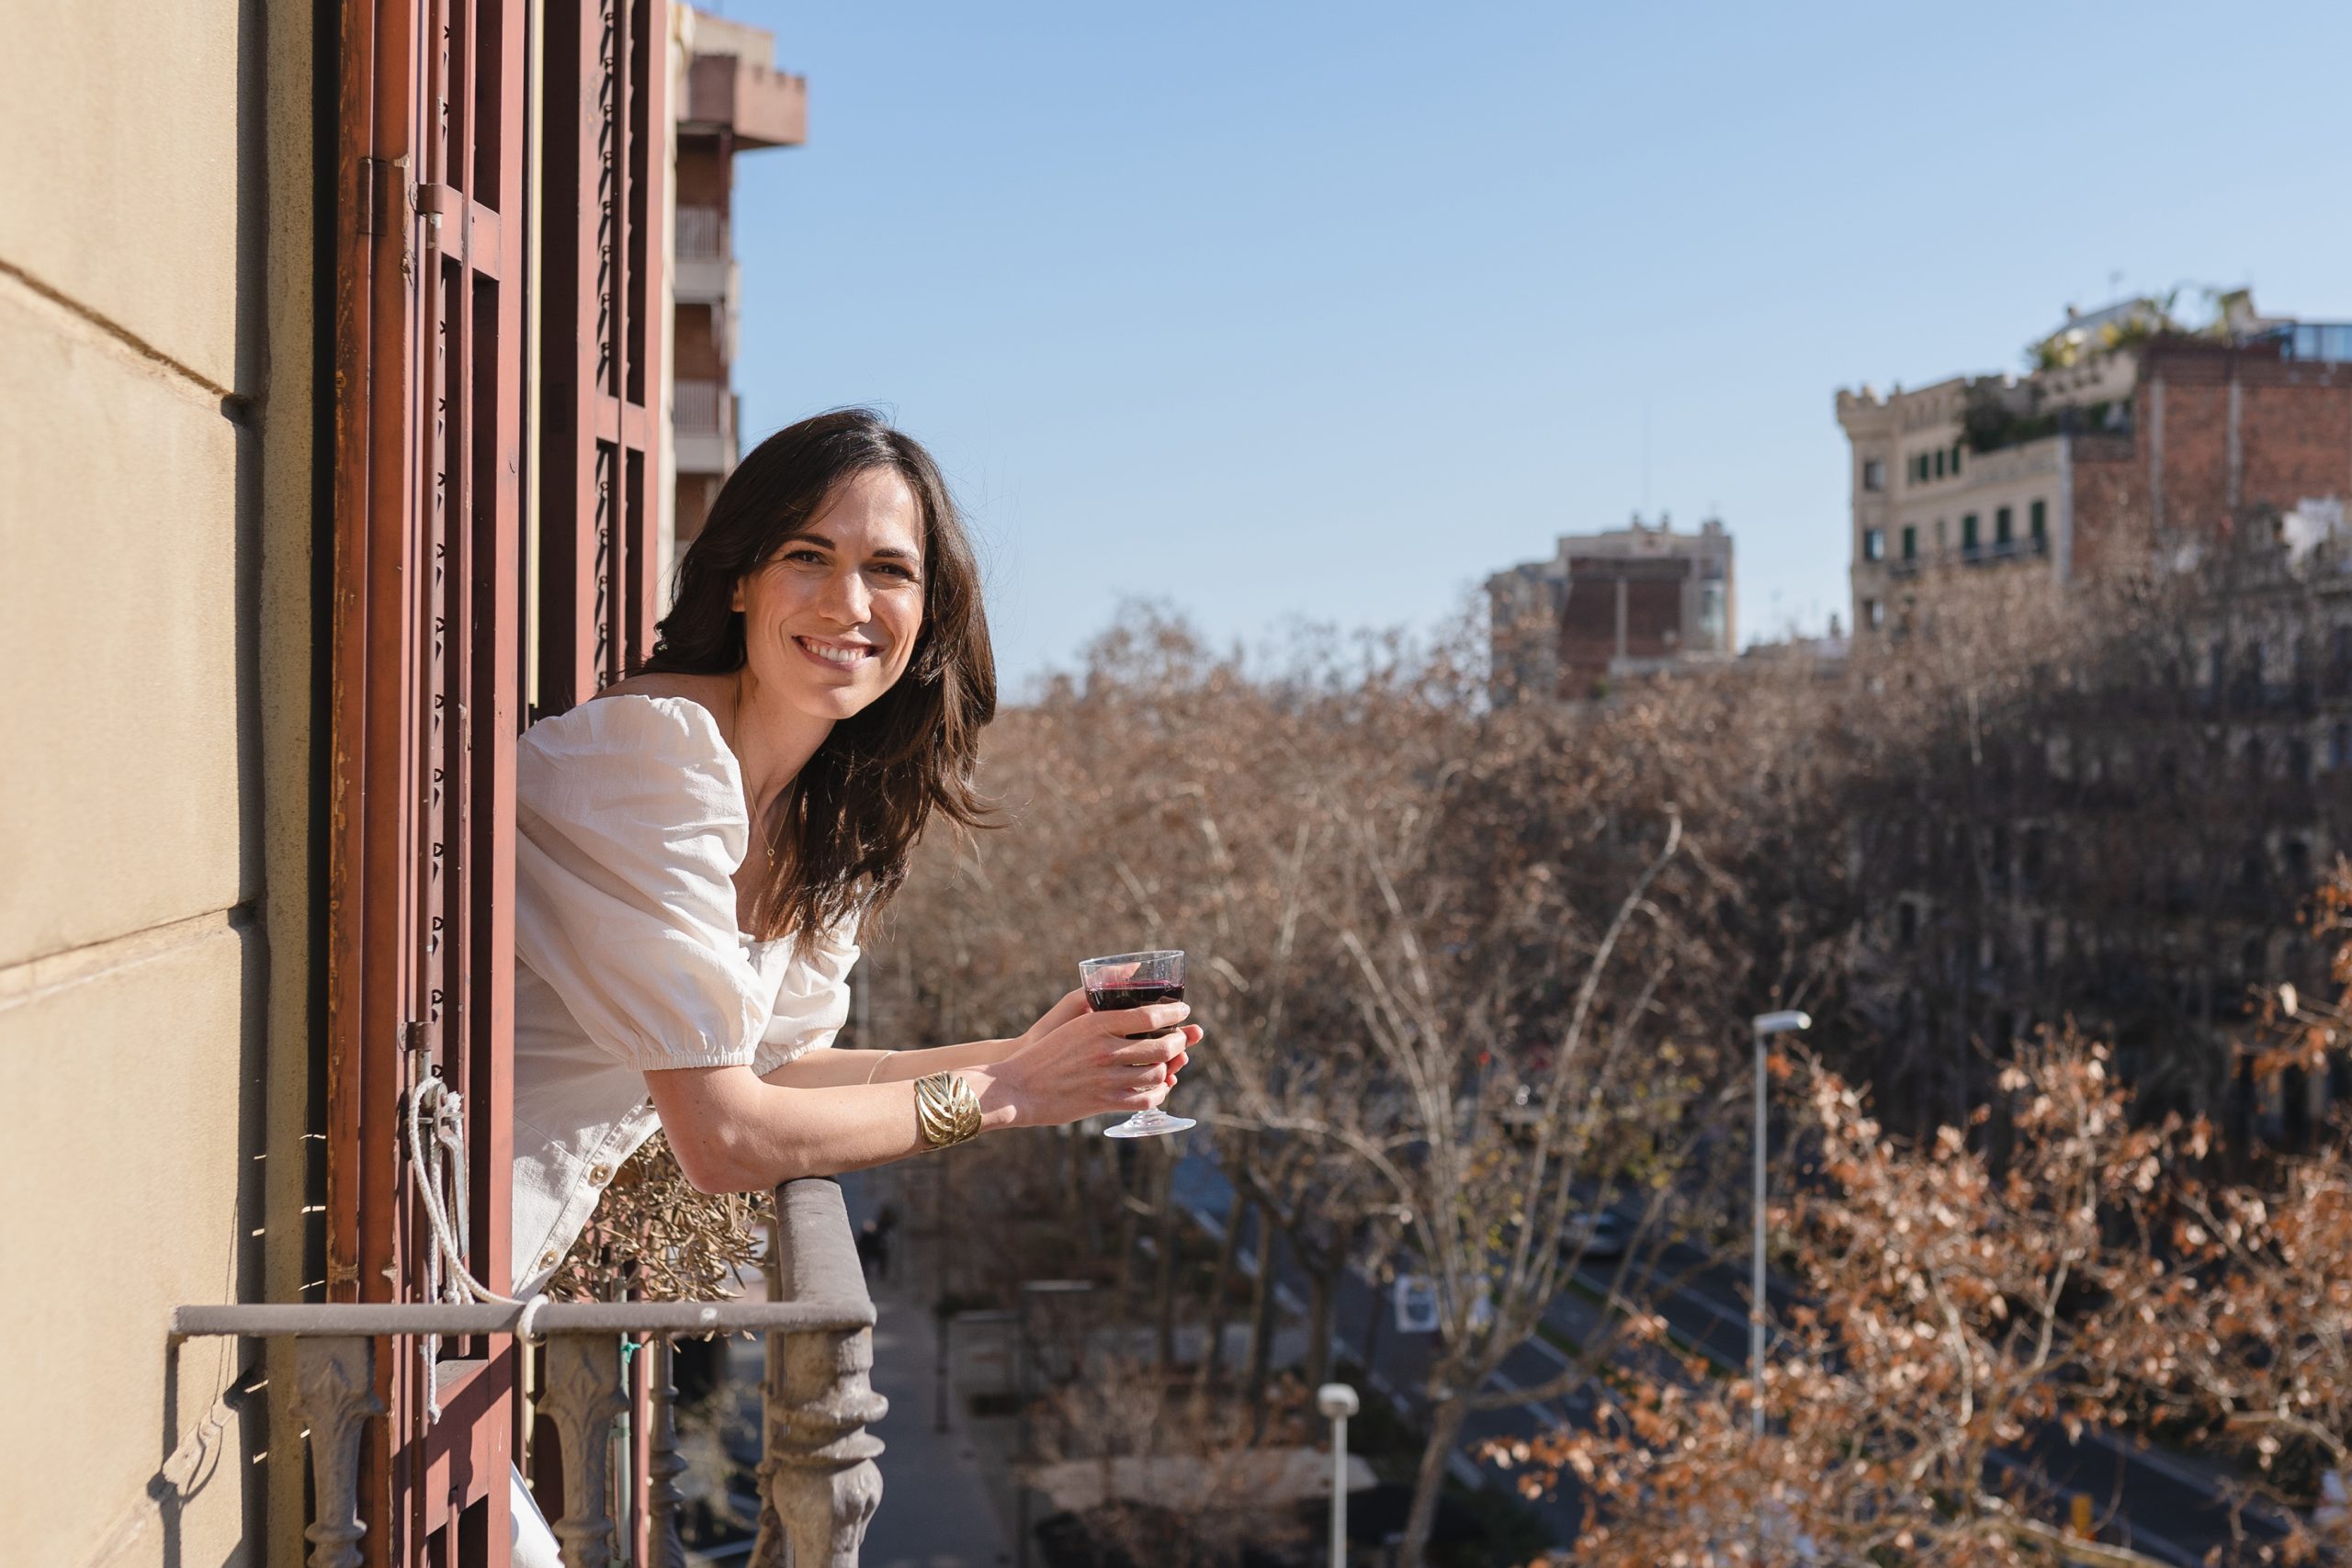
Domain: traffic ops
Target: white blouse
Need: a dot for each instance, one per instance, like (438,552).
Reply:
(631,825)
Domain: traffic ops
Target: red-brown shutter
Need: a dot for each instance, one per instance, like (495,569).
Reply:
(606,161)
(428,667)
(426,707)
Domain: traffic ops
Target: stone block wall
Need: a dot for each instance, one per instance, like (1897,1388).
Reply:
(157,423)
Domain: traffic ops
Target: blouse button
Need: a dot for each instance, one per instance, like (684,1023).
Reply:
(549,1259)
(601,1175)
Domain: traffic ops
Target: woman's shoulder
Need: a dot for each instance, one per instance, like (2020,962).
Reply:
(651,736)
(659,714)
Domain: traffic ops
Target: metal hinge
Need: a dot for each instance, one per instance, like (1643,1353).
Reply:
(366,200)
(435,202)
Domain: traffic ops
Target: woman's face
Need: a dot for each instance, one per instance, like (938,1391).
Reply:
(829,621)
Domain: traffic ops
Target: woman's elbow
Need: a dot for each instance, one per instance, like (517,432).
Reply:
(720,1165)
(711,1165)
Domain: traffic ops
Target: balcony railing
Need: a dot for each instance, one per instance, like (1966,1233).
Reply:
(1969,555)
(819,1480)
(702,233)
(2003,549)
(702,415)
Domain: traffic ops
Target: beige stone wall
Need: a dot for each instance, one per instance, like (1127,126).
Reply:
(155,427)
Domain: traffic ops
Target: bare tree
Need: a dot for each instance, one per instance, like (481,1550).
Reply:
(1467,973)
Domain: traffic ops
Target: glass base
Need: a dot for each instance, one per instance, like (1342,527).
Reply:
(1149,1125)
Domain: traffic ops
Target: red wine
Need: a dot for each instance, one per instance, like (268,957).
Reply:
(1132,994)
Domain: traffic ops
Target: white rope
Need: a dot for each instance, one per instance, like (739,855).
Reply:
(443,1166)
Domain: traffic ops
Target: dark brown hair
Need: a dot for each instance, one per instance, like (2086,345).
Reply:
(845,824)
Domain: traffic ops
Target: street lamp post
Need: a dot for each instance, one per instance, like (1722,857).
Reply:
(1337,1402)
(1764,1025)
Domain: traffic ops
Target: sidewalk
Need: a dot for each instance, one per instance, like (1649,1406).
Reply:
(936,1507)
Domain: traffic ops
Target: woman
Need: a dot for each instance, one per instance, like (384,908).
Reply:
(698,846)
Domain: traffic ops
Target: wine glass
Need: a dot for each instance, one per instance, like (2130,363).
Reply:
(1136,980)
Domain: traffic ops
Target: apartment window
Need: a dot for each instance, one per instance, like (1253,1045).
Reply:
(2343,648)
(1968,534)
(1955,460)
(2004,524)
(1874,544)
(1940,462)
(1874,474)
(2037,521)
(1910,542)
(2339,746)
(1873,614)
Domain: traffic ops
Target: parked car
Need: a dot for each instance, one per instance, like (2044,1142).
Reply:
(1599,1235)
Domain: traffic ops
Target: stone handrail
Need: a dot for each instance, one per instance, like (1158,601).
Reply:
(818,1483)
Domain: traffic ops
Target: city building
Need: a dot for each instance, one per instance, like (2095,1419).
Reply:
(1639,600)
(2128,436)
(2131,853)
(731,98)
(2127,839)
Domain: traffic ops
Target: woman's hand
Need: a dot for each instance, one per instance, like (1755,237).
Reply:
(1075,1063)
(1072,1004)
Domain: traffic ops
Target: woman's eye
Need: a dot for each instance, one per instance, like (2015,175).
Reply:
(892,569)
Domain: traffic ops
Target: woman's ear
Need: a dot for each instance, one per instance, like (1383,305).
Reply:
(735,597)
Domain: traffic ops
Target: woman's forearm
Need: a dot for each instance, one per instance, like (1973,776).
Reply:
(733,1132)
(834,1069)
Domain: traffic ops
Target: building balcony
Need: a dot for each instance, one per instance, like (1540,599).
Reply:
(702,425)
(2003,550)
(703,271)
(707,281)
(762,107)
(702,233)
(818,1482)
(1966,555)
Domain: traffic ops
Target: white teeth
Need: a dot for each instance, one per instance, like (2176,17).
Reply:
(843,656)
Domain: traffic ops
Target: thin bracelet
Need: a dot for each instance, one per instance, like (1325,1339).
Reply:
(882,1060)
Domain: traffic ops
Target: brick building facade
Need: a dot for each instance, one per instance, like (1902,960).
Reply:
(2094,462)
(1637,600)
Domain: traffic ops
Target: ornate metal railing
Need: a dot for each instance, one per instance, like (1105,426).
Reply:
(818,1483)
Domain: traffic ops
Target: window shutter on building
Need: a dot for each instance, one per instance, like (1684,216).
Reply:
(441,607)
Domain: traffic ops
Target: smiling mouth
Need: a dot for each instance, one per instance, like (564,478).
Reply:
(840,655)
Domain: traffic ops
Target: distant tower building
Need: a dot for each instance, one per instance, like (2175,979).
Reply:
(728,98)
(1633,600)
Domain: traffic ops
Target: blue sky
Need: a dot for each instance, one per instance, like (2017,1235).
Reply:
(1322,312)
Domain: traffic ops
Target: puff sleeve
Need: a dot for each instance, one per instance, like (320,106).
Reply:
(630,826)
(811,1001)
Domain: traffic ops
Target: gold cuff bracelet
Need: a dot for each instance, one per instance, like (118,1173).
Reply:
(946,1111)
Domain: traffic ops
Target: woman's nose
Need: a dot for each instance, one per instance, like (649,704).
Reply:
(847,598)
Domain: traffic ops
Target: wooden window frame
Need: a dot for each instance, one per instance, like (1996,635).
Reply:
(434,588)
